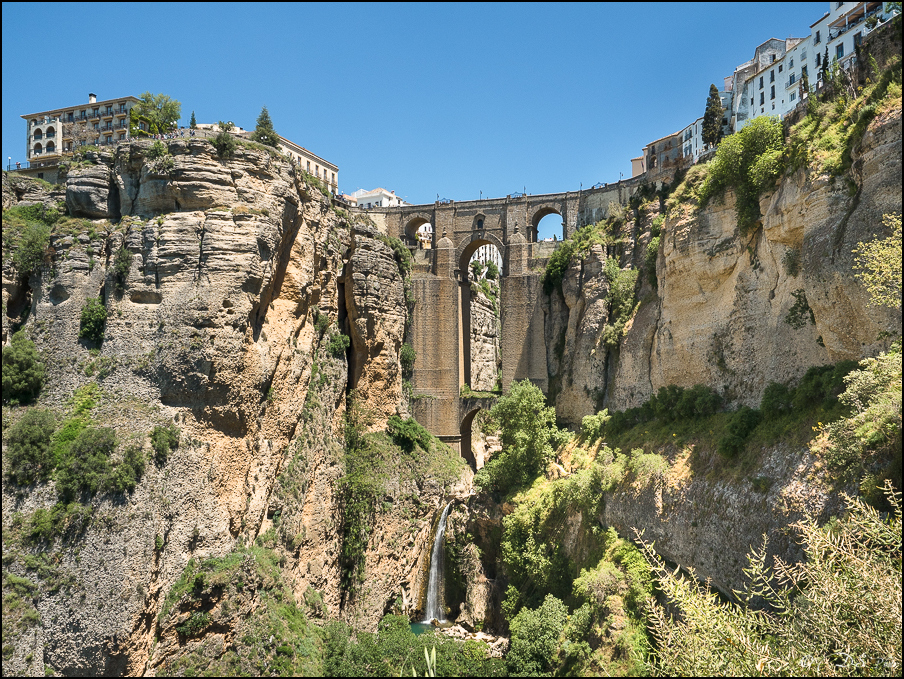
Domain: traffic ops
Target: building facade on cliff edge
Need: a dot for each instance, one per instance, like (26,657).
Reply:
(378,197)
(771,83)
(49,135)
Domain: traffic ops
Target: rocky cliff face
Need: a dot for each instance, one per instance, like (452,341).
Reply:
(718,314)
(241,279)
(484,341)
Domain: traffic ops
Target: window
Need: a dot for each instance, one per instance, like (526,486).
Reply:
(858,39)
(816,41)
(839,50)
(818,58)
(751,101)
(839,5)
(96,126)
(793,96)
(762,98)
(803,56)
(791,81)
(309,166)
(772,76)
(780,68)
(761,82)
(803,71)
(71,116)
(772,92)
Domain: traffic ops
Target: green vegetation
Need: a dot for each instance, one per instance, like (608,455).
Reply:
(837,613)
(578,246)
(338,345)
(163,440)
(87,465)
(316,183)
(225,144)
(824,140)
(246,591)
(93,320)
(407,357)
(23,372)
(712,117)
(395,648)
(878,265)
(371,461)
(800,312)
(866,443)
(621,300)
(159,110)
(492,270)
(264,132)
(28,447)
(748,162)
(193,124)
(26,234)
(122,263)
(529,437)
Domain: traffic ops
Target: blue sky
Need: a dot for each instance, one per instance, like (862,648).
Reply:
(420,99)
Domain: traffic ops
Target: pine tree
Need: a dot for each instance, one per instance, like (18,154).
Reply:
(264,132)
(712,118)
(194,123)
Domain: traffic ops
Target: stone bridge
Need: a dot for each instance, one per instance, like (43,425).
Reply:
(440,328)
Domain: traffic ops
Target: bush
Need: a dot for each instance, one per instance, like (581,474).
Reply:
(742,422)
(163,440)
(800,312)
(225,144)
(338,345)
(535,638)
(492,270)
(23,372)
(408,433)
(28,448)
(157,150)
(837,612)
(407,357)
(122,263)
(128,472)
(821,385)
(777,400)
(94,320)
(88,463)
(749,162)
(29,254)
(592,426)
(620,298)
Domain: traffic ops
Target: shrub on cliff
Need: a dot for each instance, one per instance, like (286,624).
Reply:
(122,263)
(836,613)
(748,162)
(535,638)
(878,265)
(225,144)
(23,371)
(87,465)
(28,447)
(163,440)
(93,320)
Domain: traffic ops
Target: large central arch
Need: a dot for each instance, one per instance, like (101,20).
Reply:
(465,252)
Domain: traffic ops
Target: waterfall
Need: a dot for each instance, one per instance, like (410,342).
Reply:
(434,608)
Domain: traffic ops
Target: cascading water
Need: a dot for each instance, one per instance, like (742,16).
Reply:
(434,609)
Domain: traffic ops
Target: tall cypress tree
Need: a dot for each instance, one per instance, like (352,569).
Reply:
(712,118)
(264,132)
(193,124)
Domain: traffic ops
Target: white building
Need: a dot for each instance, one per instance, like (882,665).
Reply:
(487,253)
(771,83)
(377,198)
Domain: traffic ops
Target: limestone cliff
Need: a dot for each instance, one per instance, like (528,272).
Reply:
(718,314)
(227,322)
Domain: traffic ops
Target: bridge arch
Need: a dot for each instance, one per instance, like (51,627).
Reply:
(468,246)
(538,215)
(466,450)
(414,223)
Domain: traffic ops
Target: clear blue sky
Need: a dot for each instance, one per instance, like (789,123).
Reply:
(419,99)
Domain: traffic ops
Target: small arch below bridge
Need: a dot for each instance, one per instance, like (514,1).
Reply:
(415,230)
(471,406)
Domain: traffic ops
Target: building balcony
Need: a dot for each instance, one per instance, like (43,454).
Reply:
(106,114)
(792,82)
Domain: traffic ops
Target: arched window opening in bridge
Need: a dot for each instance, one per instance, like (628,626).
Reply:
(550,227)
(419,234)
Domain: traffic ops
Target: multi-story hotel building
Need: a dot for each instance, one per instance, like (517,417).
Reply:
(49,134)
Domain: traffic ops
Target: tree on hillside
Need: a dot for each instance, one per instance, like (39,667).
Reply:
(264,132)
(193,124)
(878,265)
(712,118)
(161,110)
